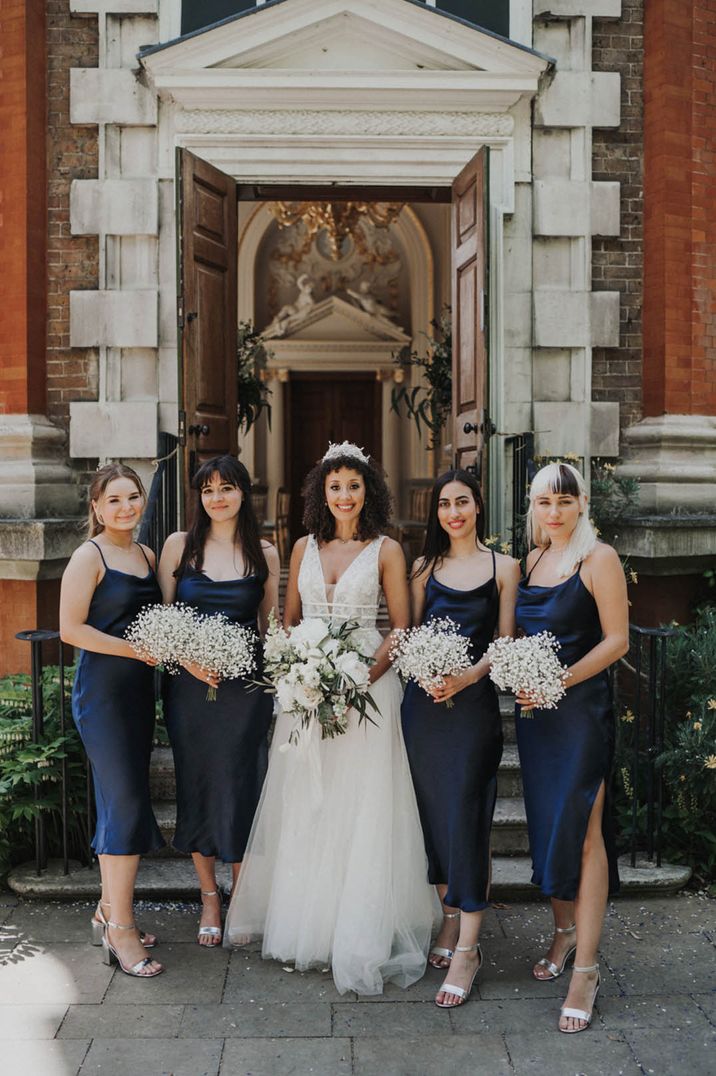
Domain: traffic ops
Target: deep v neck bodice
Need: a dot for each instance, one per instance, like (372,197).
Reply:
(355,595)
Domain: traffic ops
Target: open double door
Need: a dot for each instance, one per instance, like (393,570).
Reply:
(207,312)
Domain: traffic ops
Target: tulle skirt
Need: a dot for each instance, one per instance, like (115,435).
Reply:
(335,872)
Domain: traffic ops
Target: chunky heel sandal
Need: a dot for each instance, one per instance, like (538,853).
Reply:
(210,932)
(555,970)
(457,991)
(98,922)
(439,950)
(110,956)
(581,1014)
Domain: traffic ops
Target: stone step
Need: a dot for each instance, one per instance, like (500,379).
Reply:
(509,778)
(174,879)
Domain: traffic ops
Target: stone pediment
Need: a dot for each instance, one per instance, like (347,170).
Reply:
(376,48)
(337,320)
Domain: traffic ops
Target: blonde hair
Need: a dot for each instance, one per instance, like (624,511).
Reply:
(562,478)
(100,481)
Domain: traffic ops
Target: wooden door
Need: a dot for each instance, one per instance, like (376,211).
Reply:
(472,426)
(323,408)
(207,311)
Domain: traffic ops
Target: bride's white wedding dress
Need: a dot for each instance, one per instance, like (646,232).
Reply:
(335,871)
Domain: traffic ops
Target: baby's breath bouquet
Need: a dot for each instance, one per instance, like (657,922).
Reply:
(317,674)
(430,652)
(176,635)
(529,665)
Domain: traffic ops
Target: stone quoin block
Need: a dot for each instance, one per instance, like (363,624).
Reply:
(113,318)
(568,208)
(114,7)
(605,207)
(599,9)
(604,310)
(114,207)
(115,429)
(110,95)
(561,318)
(580,99)
(560,428)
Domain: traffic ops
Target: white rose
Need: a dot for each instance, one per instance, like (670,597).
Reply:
(352,668)
(309,673)
(309,633)
(286,695)
(309,698)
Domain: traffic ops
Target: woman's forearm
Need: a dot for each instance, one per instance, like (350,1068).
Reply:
(604,654)
(98,642)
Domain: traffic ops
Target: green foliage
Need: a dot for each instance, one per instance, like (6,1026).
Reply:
(252,356)
(30,774)
(429,403)
(688,761)
(612,498)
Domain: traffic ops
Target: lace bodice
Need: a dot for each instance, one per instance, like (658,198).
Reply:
(356,595)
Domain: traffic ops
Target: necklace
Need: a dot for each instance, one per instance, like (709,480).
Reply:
(345,541)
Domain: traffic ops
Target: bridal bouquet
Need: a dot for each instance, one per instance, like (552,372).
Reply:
(174,635)
(430,652)
(529,665)
(317,674)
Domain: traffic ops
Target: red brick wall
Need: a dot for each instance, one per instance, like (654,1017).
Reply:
(617,262)
(680,202)
(25,604)
(73,260)
(22,207)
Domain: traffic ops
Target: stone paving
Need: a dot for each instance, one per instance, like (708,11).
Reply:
(62,1011)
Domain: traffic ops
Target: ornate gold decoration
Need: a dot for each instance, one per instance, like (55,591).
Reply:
(338,219)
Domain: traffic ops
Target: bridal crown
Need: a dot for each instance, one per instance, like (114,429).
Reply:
(346,448)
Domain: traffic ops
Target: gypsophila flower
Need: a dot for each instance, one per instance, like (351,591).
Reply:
(430,652)
(317,674)
(710,762)
(529,666)
(162,633)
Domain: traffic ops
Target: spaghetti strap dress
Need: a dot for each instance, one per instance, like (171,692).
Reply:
(221,747)
(113,709)
(565,753)
(454,753)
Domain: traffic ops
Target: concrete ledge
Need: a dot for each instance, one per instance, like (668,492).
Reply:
(669,544)
(37,548)
(165,879)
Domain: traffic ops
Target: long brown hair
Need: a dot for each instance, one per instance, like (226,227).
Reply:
(437,541)
(230,470)
(102,478)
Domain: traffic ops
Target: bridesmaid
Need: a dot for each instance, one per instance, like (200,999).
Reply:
(574,588)
(220,565)
(106,583)
(454,753)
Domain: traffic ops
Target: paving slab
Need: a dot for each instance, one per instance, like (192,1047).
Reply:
(646,963)
(537,1053)
(153,1057)
(194,975)
(251,978)
(476,1055)
(480,1017)
(680,1012)
(43,1058)
(286,1057)
(401,1019)
(666,1054)
(50,923)
(682,914)
(255,1020)
(54,974)
(508,974)
(121,1021)
(707,1005)
(535,921)
(30,1021)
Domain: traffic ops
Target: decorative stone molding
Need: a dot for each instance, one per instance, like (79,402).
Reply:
(298,122)
(35,549)
(114,207)
(674,458)
(34,478)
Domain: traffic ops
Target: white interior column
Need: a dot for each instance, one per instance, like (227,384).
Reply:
(275,437)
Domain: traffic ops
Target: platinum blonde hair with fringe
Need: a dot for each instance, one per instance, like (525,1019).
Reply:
(565,479)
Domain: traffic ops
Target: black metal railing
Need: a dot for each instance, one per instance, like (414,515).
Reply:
(639,690)
(161,516)
(523,470)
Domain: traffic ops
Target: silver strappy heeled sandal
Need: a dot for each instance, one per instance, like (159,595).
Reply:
(99,921)
(555,970)
(440,950)
(581,1014)
(209,932)
(111,956)
(457,991)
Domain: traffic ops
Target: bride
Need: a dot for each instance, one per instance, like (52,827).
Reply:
(335,870)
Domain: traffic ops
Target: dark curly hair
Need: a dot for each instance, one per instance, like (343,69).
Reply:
(437,541)
(375,513)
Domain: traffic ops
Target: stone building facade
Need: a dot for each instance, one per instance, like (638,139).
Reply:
(598,116)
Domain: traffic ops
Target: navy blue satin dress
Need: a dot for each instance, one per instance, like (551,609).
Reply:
(454,754)
(113,708)
(221,747)
(565,753)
